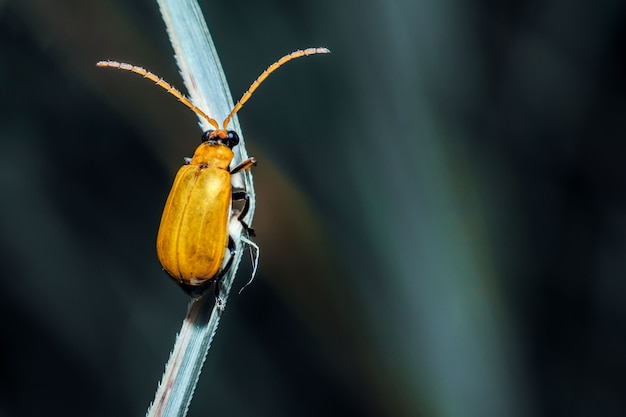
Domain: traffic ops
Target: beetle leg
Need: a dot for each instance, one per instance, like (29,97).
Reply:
(242,195)
(255,259)
(248,163)
(238,196)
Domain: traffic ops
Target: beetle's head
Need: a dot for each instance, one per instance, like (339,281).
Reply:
(224,137)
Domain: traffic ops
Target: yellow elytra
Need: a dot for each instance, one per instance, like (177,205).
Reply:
(193,236)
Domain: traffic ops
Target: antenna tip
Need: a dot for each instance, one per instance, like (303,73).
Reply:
(115,64)
(311,51)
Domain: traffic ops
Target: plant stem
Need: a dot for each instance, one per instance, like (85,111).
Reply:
(206,83)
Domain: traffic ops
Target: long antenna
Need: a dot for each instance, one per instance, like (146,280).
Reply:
(266,73)
(246,96)
(161,83)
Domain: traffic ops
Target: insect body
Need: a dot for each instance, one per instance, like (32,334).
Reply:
(193,232)
(193,238)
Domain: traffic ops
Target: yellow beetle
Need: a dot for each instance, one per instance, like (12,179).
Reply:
(193,232)
(193,236)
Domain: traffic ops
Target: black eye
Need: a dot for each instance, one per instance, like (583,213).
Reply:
(232,138)
(205,135)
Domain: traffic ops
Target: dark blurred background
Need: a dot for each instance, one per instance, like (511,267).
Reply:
(441,209)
